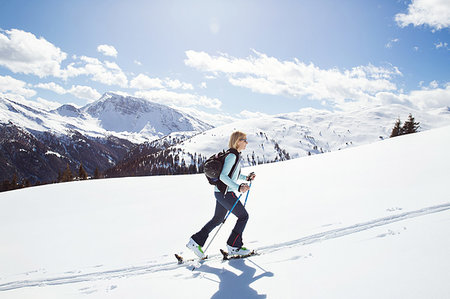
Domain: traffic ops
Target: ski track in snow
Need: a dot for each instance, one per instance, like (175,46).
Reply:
(157,267)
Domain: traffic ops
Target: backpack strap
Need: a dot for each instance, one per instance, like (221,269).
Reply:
(236,153)
(220,185)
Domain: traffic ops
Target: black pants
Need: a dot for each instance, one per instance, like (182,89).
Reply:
(223,205)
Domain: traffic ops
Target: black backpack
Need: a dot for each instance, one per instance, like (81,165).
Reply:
(214,164)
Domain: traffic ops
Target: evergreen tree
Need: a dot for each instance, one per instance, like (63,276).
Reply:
(26,183)
(14,184)
(397,130)
(60,177)
(96,174)
(82,174)
(6,185)
(410,126)
(67,175)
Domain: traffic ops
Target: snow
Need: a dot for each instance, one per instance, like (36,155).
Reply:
(308,131)
(366,222)
(137,120)
(53,153)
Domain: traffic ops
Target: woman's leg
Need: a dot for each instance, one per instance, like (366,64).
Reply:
(239,211)
(219,214)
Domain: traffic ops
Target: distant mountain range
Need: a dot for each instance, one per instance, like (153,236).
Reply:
(125,136)
(282,137)
(36,144)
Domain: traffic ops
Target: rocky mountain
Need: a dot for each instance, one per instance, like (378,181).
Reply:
(127,136)
(118,113)
(42,156)
(281,137)
(37,144)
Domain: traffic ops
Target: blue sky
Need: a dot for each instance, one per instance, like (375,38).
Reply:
(223,60)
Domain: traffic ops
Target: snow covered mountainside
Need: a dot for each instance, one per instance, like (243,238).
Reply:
(36,144)
(109,135)
(309,131)
(365,222)
(125,117)
(118,113)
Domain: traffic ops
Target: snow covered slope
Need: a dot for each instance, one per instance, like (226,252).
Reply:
(366,222)
(309,131)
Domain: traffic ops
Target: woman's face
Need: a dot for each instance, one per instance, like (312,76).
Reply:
(242,143)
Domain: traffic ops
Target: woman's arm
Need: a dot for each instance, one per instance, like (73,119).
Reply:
(230,159)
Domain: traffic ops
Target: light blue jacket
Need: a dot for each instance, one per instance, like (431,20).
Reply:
(232,183)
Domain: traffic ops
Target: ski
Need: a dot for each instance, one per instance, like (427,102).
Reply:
(227,256)
(181,260)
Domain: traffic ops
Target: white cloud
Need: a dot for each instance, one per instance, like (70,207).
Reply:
(429,98)
(14,89)
(269,75)
(107,50)
(388,98)
(52,86)
(434,13)
(250,114)
(441,45)
(391,42)
(142,81)
(176,84)
(179,99)
(108,73)
(23,52)
(138,62)
(82,92)
(434,84)
(210,118)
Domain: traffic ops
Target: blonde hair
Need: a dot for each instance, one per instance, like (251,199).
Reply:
(234,139)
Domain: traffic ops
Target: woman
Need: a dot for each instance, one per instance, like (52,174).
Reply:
(226,198)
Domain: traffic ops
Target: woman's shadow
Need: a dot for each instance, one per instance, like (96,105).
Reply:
(232,285)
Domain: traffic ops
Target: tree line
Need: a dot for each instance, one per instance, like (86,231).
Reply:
(170,162)
(65,175)
(409,126)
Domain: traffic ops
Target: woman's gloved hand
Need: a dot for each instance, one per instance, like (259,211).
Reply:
(243,188)
(251,176)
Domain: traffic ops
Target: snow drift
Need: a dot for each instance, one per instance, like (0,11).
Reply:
(365,222)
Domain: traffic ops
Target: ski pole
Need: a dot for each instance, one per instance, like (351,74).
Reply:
(247,193)
(229,212)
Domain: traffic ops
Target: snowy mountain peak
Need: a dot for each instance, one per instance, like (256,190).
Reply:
(117,103)
(69,111)
(125,113)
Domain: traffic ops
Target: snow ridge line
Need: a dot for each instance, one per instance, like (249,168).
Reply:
(151,268)
(340,232)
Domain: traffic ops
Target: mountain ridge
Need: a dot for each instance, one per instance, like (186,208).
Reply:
(75,134)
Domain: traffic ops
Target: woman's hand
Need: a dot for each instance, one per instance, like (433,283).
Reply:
(251,176)
(243,188)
